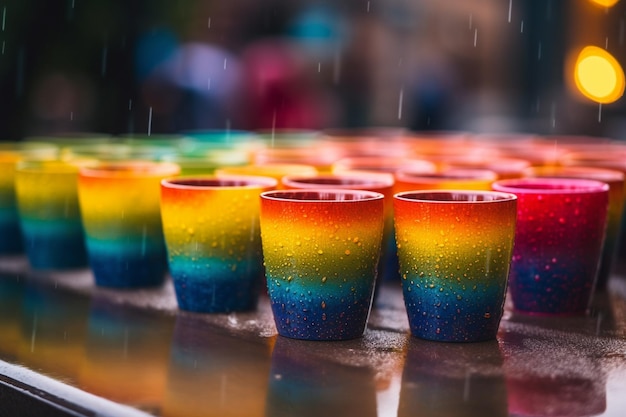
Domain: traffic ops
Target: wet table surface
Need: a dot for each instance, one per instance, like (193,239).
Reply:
(136,349)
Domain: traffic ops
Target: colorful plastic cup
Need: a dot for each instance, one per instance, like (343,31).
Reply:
(321,250)
(11,153)
(560,232)
(120,206)
(368,181)
(615,180)
(213,240)
(52,228)
(455,250)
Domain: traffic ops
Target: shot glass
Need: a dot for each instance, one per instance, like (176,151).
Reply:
(321,250)
(561,226)
(455,251)
(11,242)
(47,199)
(120,207)
(213,240)
(615,180)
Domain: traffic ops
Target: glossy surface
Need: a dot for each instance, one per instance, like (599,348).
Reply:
(455,250)
(120,207)
(136,348)
(213,241)
(558,242)
(321,251)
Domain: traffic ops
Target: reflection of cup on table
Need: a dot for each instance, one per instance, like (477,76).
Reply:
(560,232)
(615,180)
(321,250)
(120,206)
(52,228)
(309,380)
(211,228)
(453,379)
(455,250)
(212,373)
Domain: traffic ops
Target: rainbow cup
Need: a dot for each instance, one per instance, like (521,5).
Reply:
(321,250)
(52,228)
(368,181)
(455,250)
(560,232)
(11,153)
(211,228)
(615,180)
(120,206)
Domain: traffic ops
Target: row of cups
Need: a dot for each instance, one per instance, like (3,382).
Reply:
(321,244)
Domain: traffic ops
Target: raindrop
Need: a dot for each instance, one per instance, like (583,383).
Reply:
(337,66)
(71,116)
(521,27)
(4,17)
(209,84)
(150,121)
(400,99)
(3,44)
(225,62)
(33,335)
(105,52)
(475,37)
(273,128)
(144,238)
(319,66)
(599,112)
(368,6)
(208,25)
(510,7)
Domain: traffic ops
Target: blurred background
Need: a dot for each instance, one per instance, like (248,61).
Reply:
(164,66)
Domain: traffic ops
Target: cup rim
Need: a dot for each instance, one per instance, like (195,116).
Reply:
(306,195)
(383,164)
(342,181)
(212,182)
(53,165)
(454,174)
(571,171)
(130,169)
(547,185)
(495,196)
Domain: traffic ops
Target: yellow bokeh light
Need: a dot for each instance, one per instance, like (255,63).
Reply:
(598,75)
(605,3)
